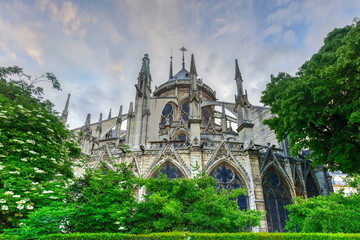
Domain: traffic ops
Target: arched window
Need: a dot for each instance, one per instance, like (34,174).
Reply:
(185,109)
(170,170)
(311,188)
(276,196)
(167,115)
(228,179)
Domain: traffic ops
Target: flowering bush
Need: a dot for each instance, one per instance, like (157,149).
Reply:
(35,148)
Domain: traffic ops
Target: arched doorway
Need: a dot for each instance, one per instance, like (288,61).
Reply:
(276,197)
(227,178)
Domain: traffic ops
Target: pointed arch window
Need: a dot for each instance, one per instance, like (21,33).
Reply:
(228,179)
(276,196)
(170,170)
(185,109)
(167,115)
(311,187)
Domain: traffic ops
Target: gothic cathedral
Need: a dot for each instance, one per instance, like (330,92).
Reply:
(181,128)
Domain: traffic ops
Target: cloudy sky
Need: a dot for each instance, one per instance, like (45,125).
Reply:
(95,47)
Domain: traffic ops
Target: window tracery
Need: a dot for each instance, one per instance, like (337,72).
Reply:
(228,179)
(167,115)
(171,171)
(185,109)
(276,197)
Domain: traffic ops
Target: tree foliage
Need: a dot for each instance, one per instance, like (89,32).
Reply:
(35,148)
(100,201)
(327,214)
(319,108)
(192,204)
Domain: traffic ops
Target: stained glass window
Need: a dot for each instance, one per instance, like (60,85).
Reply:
(276,196)
(228,179)
(167,114)
(185,111)
(181,137)
(170,170)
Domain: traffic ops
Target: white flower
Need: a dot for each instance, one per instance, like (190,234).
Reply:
(1,145)
(24,159)
(21,202)
(33,152)
(37,170)
(48,191)
(4,207)
(18,141)
(43,124)
(34,183)
(16,196)
(9,193)
(58,175)
(117,222)
(30,133)
(39,116)
(20,106)
(53,197)
(20,207)
(1,155)
(29,207)
(30,141)
(2,201)
(2,167)
(43,156)
(15,172)
(121,228)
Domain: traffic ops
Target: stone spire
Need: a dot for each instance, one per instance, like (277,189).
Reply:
(99,124)
(118,123)
(65,112)
(145,68)
(194,93)
(87,121)
(171,75)
(192,66)
(238,79)
(109,117)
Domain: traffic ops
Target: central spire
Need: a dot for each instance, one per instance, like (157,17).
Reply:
(183,49)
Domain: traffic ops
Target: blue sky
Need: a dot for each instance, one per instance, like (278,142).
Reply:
(95,47)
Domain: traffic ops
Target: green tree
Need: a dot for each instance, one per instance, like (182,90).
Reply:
(100,201)
(36,150)
(319,108)
(192,204)
(327,214)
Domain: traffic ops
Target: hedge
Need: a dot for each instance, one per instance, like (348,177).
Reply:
(201,236)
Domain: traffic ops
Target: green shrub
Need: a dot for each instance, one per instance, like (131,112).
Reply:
(202,236)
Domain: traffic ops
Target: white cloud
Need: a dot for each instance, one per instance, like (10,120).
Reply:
(95,48)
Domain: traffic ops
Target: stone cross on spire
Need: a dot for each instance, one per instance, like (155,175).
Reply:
(183,49)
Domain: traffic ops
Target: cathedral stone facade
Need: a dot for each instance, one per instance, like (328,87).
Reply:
(181,128)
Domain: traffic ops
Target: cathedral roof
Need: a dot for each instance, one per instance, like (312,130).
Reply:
(182,74)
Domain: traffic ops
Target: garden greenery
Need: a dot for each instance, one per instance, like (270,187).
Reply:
(36,150)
